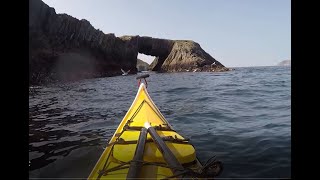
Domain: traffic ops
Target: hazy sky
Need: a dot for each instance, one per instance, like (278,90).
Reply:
(235,32)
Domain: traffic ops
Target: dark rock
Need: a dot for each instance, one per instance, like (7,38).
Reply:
(63,48)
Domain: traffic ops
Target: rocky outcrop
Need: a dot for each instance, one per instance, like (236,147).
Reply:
(142,66)
(63,48)
(187,56)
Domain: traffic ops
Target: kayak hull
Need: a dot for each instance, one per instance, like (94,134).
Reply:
(115,161)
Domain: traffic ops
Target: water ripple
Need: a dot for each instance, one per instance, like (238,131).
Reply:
(242,116)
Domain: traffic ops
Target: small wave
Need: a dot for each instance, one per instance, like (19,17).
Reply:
(179,90)
(242,116)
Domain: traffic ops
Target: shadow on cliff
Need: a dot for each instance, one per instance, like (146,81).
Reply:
(73,66)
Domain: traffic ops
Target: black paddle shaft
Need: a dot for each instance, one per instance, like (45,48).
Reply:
(143,76)
(136,164)
(166,152)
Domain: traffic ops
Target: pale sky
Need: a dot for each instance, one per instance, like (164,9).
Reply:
(237,33)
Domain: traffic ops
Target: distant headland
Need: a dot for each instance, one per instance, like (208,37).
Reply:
(63,48)
(285,63)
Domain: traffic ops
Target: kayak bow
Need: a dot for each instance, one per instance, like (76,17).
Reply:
(134,151)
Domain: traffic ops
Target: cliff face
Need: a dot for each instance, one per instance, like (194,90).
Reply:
(63,48)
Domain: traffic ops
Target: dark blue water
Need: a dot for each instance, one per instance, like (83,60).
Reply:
(243,117)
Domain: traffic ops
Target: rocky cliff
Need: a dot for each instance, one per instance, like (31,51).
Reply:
(63,48)
(187,56)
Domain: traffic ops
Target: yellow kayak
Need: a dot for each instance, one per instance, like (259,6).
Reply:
(120,158)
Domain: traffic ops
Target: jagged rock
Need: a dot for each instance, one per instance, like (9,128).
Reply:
(183,55)
(188,55)
(63,48)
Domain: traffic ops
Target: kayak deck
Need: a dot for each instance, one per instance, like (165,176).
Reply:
(115,161)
